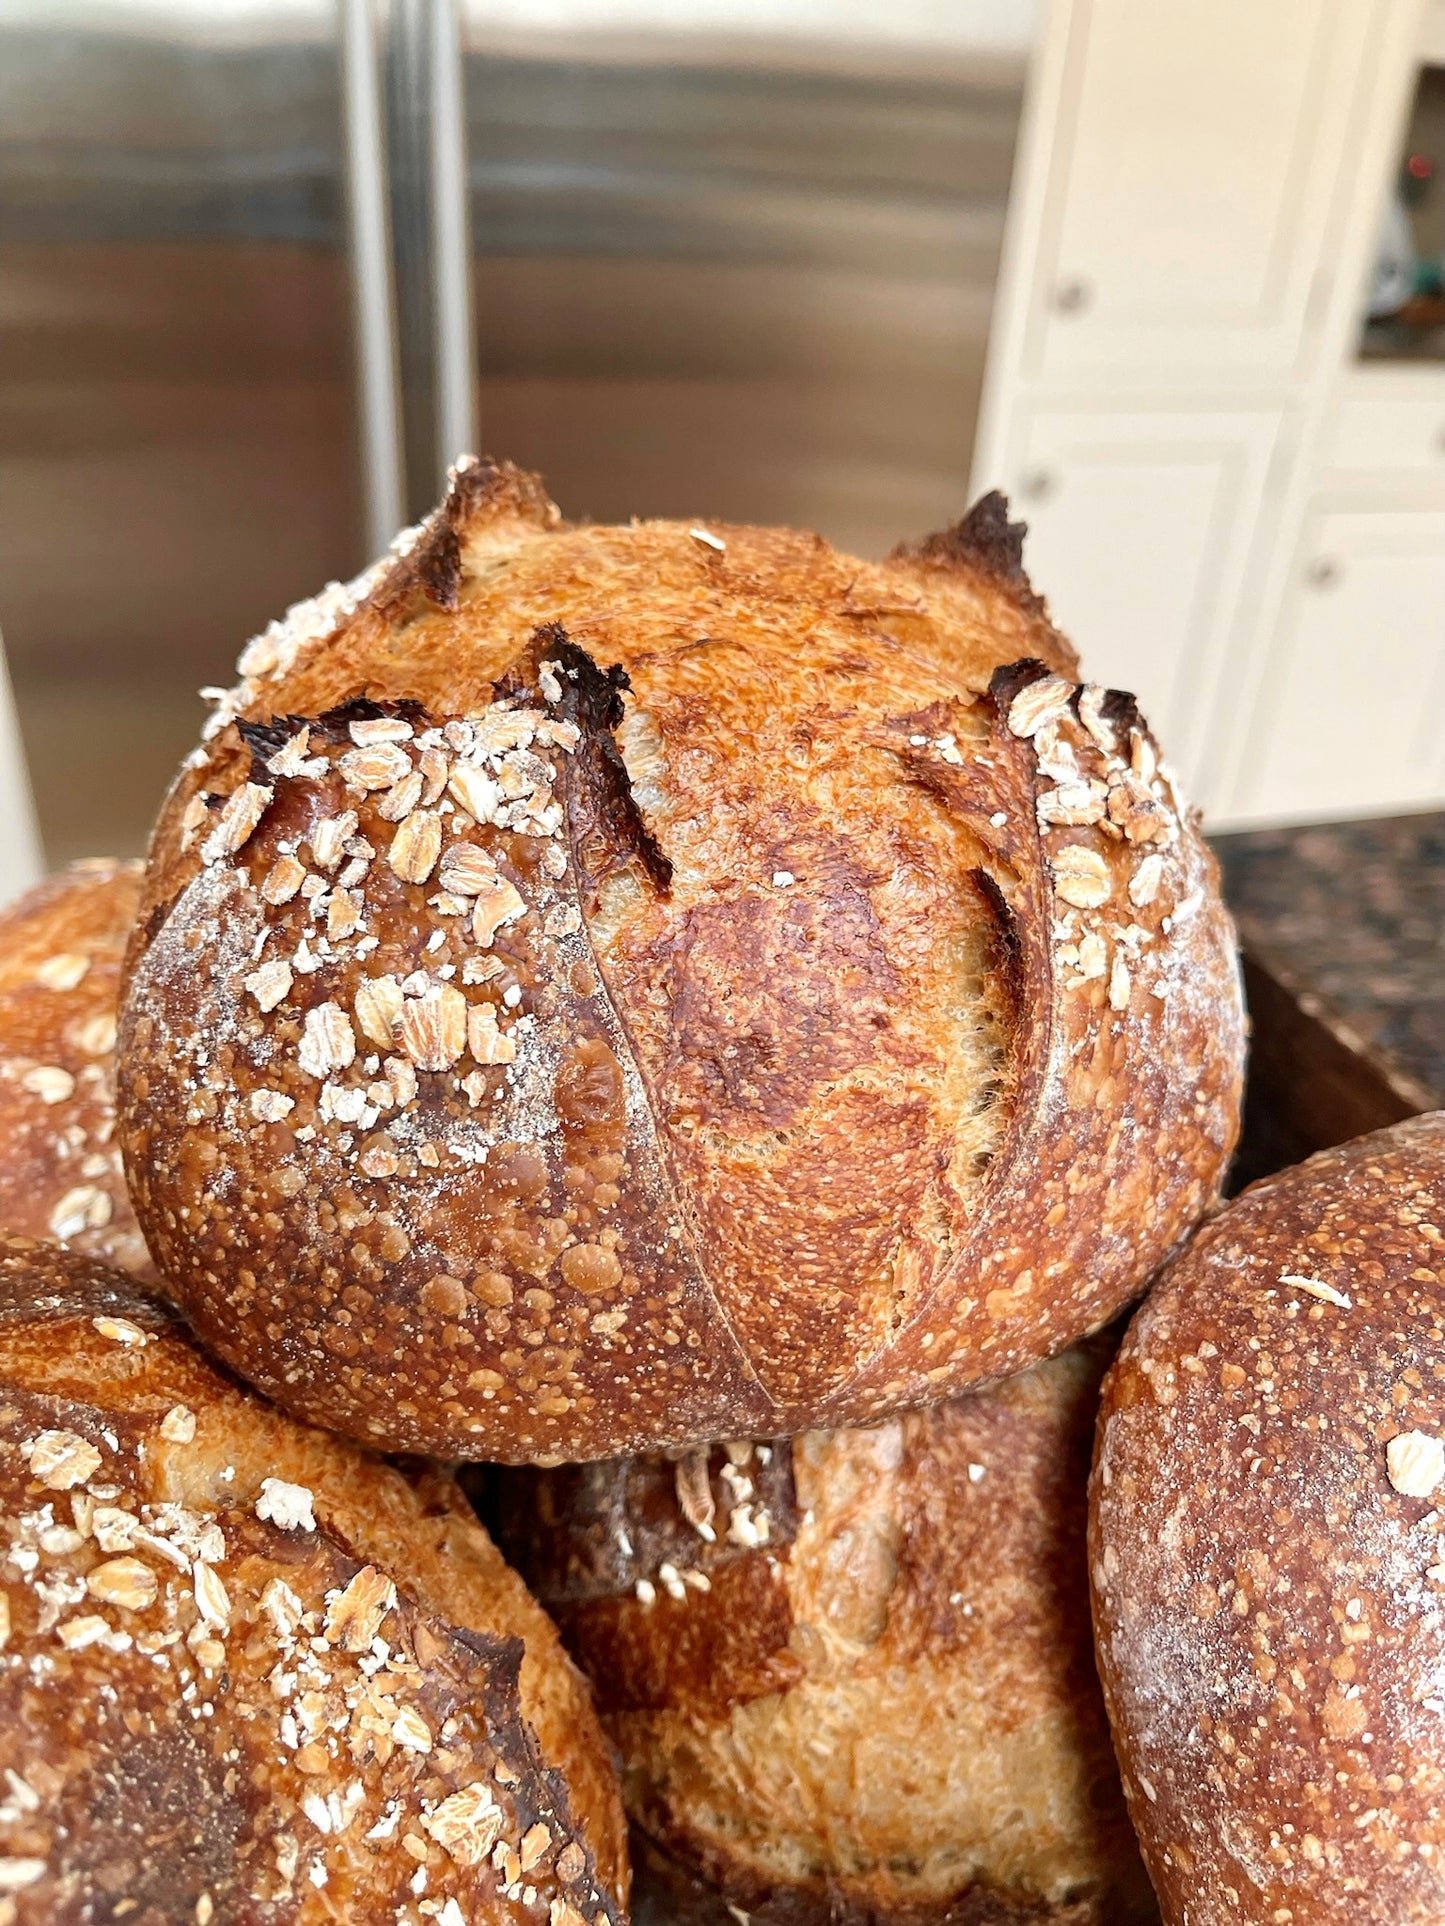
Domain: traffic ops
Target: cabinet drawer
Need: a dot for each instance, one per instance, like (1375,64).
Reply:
(1140,522)
(1399,427)
(1351,716)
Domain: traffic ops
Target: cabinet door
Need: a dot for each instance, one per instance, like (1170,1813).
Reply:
(1195,156)
(1139,528)
(1351,716)
(1388,421)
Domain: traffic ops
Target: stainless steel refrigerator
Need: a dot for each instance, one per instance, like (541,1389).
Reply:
(265,265)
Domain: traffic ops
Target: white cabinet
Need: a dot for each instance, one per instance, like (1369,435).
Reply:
(1196,150)
(1227,514)
(1352,713)
(1386,420)
(1139,528)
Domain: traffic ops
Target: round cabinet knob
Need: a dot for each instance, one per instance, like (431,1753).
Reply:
(1037,484)
(1072,294)
(1323,572)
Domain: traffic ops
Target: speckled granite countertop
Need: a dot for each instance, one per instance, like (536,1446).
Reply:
(1355,913)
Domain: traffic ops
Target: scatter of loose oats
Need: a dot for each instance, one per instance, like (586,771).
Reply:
(286,1505)
(178,1426)
(377,766)
(1081,876)
(1144,883)
(410,1731)
(96,1035)
(355,1613)
(1415,1462)
(328,1041)
(48,1082)
(467,1824)
(61,1460)
(1312,1287)
(66,970)
(1119,985)
(493,908)
(290,757)
(282,880)
(1091,714)
(243,810)
(475,790)
(120,1330)
(694,1493)
(467,870)
(1041,703)
(378,1006)
(269,983)
(77,1633)
(374,729)
(534,1842)
(433,1027)
(416,846)
(213,1601)
(1073,805)
(123,1581)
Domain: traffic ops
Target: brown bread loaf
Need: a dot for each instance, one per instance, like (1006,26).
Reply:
(1267,1555)
(248,1672)
(626,986)
(61,949)
(851,1681)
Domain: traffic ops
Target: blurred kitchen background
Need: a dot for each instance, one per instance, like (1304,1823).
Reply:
(1170,274)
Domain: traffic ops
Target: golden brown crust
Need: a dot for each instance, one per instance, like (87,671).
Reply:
(61,949)
(1270,1600)
(800,1000)
(852,1681)
(224,1696)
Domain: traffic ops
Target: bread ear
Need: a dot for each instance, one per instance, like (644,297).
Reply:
(983,538)
(490,508)
(987,547)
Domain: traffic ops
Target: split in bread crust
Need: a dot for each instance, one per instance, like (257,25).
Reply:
(851,1679)
(248,1672)
(1266,1550)
(634,985)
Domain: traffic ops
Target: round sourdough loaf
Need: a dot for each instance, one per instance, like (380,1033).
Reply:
(623,986)
(61,949)
(1268,1504)
(249,1672)
(851,1681)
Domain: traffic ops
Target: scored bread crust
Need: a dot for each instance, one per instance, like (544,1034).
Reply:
(174,1733)
(61,949)
(825,1005)
(1269,1596)
(851,1681)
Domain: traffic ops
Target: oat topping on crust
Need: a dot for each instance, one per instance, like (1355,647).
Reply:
(918,987)
(329,1742)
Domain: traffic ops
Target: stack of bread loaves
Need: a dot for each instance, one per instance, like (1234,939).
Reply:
(707,1031)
